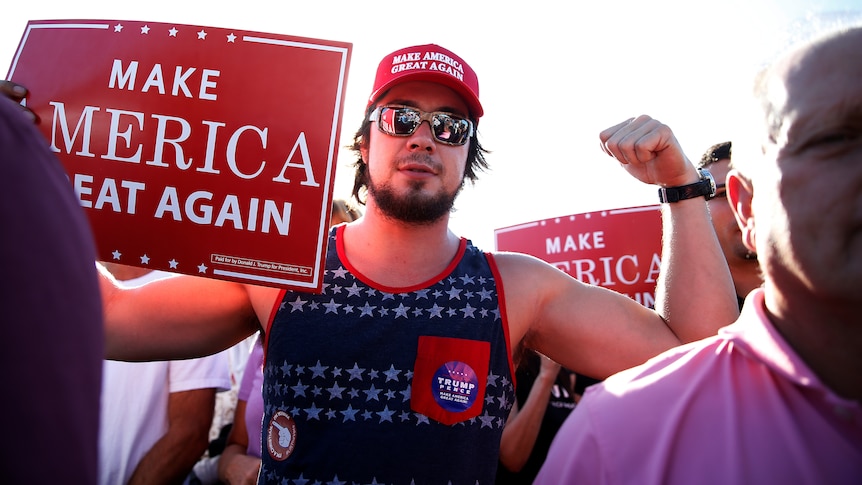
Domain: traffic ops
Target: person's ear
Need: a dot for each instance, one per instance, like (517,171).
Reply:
(363,150)
(740,194)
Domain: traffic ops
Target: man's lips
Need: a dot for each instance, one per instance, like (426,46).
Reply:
(417,168)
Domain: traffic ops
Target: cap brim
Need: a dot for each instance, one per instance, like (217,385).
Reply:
(466,94)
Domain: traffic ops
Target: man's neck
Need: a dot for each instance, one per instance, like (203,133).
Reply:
(746,276)
(826,335)
(399,254)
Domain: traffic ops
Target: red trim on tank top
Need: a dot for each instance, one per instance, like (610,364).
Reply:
(339,246)
(272,313)
(501,302)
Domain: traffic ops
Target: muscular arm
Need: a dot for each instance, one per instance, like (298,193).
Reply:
(180,317)
(170,460)
(522,427)
(695,293)
(597,332)
(589,329)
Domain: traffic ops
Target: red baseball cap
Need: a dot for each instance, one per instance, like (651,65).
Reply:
(432,63)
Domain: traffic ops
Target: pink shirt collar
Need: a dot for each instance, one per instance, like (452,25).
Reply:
(755,334)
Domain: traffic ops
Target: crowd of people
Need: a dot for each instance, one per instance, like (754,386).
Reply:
(156,416)
(405,368)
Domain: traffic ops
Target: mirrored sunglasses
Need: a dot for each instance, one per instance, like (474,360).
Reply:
(399,120)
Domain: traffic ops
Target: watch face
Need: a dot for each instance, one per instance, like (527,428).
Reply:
(705,175)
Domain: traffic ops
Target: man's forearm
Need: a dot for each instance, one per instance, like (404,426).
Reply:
(695,294)
(521,431)
(170,459)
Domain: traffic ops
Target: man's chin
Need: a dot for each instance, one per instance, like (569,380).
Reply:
(414,208)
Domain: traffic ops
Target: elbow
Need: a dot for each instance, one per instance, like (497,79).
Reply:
(510,459)
(513,465)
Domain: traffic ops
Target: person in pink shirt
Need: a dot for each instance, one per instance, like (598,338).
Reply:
(774,397)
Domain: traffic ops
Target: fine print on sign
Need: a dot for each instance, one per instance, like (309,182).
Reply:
(196,150)
(618,249)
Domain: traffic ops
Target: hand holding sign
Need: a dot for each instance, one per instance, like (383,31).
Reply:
(16,93)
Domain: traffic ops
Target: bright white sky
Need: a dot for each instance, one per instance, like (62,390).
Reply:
(552,76)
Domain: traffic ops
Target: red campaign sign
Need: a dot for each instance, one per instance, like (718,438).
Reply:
(197,150)
(619,249)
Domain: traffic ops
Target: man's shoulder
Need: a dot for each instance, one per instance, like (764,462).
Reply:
(518,263)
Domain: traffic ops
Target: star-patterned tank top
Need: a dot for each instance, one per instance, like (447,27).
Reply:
(367,384)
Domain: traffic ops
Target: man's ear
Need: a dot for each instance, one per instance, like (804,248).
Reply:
(363,151)
(740,194)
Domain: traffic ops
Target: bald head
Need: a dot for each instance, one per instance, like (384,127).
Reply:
(814,74)
(798,203)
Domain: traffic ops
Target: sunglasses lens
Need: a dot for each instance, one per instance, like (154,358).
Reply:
(399,122)
(406,121)
(403,121)
(451,130)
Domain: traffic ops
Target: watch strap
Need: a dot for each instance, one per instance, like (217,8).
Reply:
(705,187)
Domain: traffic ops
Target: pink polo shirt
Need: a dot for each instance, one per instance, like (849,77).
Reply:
(737,408)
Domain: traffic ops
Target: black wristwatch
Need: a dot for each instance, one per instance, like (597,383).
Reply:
(705,187)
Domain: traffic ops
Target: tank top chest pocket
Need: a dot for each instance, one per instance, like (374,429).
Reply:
(449,378)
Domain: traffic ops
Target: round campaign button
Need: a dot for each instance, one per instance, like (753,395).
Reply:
(455,386)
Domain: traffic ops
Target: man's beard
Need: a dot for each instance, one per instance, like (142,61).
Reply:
(414,207)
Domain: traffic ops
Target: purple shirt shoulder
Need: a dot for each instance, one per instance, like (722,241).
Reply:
(250,390)
(52,313)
